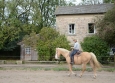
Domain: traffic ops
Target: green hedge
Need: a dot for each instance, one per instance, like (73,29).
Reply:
(49,40)
(96,45)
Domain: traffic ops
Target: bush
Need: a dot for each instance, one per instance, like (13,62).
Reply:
(48,40)
(96,45)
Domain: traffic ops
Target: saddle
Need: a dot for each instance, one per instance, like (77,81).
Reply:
(79,52)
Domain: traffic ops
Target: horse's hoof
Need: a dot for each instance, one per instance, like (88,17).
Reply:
(94,77)
(68,75)
(80,76)
(75,74)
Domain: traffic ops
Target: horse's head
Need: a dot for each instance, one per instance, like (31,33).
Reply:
(61,51)
(57,54)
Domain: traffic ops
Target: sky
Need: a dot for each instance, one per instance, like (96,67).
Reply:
(75,1)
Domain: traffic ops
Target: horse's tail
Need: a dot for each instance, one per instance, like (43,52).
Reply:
(96,63)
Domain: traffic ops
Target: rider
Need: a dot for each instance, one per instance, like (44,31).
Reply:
(76,48)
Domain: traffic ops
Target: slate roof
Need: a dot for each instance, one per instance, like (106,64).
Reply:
(83,9)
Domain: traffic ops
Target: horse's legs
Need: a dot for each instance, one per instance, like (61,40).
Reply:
(83,69)
(70,69)
(94,69)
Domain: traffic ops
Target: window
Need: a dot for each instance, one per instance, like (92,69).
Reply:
(91,28)
(27,50)
(71,28)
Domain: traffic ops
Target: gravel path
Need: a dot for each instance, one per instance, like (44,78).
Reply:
(41,76)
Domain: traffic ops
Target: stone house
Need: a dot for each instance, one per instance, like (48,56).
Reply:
(78,21)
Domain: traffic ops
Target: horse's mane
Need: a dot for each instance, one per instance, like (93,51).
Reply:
(62,49)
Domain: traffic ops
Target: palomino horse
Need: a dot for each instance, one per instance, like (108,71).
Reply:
(82,58)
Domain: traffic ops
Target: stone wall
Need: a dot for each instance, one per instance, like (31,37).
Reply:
(81,25)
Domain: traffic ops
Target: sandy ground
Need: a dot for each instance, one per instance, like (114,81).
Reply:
(41,76)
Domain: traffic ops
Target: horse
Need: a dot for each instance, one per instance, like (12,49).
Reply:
(82,59)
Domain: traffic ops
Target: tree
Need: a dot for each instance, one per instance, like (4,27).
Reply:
(46,10)
(1,38)
(106,27)
(24,16)
(12,29)
(109,1)
(31,40)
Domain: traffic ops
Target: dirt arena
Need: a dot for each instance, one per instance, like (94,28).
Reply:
(50,76)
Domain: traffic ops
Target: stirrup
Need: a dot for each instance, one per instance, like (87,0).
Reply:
(71,63)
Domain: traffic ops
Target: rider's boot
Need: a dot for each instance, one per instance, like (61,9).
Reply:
(72,61)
